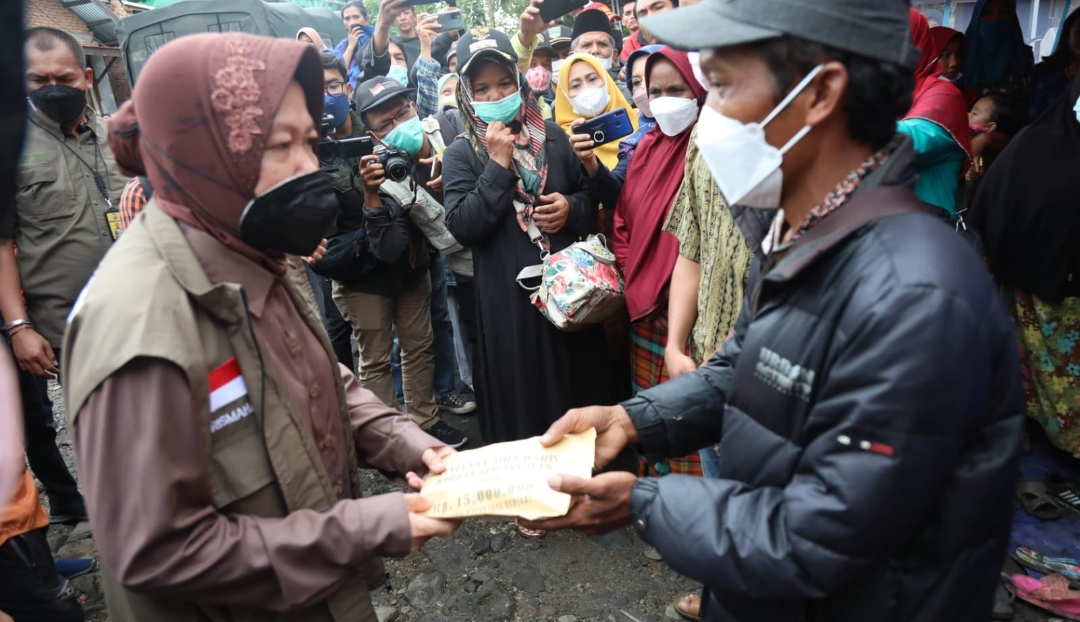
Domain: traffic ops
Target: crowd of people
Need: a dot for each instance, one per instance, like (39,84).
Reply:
(846,242)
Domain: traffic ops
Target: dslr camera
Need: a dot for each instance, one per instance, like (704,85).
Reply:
(334,153)
(398,164)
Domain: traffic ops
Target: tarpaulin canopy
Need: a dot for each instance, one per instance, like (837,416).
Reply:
(140,35)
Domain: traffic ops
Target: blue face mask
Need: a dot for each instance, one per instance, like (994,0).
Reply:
(408,136)
(504,110)
(337,106)
(399,73)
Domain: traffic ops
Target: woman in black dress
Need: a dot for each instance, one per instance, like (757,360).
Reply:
(514,173)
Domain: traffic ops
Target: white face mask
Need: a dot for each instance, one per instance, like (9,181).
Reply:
(641,100)
(695,66)
(555,66)
(590,102)
(604,62)
(1076,109)
(746,167)
(674,114)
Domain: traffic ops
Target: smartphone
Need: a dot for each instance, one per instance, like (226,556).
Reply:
(607,127)
(450,21)
(436,168)
(550,10)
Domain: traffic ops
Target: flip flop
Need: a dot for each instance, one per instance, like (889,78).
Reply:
(683,613)
(1051,594)
(529,534)
(1065,566)
(1063,492)
(1036,500)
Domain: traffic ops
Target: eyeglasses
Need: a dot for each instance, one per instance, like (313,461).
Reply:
(335,88)
(401,116)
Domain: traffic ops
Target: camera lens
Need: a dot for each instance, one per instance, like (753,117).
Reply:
(330,155)
(397,169)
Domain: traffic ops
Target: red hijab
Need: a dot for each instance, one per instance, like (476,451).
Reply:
(197,122)
(941,36)
(645,252)
(936,100)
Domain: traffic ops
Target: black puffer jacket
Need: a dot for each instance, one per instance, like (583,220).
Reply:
(869,410)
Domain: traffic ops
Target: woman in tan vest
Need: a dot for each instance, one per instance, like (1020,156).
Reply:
(217,437)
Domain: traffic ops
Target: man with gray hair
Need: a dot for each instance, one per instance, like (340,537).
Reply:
(869,403)
(593,35)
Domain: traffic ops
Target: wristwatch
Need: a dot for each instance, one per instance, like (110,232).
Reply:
(7,328)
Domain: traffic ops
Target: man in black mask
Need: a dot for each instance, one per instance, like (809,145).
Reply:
(63,222)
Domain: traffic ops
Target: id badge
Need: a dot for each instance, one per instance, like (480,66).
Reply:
(115,226)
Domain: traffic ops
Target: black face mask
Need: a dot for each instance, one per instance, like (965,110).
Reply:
(292,217)
(60,103)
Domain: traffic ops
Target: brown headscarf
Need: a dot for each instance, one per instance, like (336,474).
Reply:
(314,36)
(197,122)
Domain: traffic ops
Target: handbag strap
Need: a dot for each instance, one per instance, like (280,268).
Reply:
(529,273)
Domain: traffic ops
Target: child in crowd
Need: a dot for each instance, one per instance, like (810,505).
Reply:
(993,123)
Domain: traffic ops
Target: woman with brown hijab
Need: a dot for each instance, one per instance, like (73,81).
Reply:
(217,437)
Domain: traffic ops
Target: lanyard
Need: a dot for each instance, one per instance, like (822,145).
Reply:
(112,215)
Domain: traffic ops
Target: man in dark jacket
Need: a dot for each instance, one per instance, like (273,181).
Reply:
(869,404)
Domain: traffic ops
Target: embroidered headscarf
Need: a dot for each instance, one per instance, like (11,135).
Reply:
(564,110)
(530,159)
(201,146)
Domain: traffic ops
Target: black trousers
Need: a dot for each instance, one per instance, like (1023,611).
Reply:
(466,300)
(30,590)
(44,456)
(337,328)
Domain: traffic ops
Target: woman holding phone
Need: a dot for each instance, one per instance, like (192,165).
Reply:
(586,91)
(514,173)
(642,198)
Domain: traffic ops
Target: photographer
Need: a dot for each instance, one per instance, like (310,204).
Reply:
(392,290)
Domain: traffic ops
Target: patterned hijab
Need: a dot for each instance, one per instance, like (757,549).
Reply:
(202,146)
(530,158)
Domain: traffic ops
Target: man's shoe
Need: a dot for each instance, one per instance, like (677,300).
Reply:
(452,437)
(74,567)
(68,519)
(456,404)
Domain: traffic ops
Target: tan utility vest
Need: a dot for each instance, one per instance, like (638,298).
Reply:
(150,297)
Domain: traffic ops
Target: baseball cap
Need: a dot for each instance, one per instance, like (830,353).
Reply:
(377,91)
(480,42)
(558,34)
(591,21)
(543,44)
(600,6)
(872,28)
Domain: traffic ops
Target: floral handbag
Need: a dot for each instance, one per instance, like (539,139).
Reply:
(579,286)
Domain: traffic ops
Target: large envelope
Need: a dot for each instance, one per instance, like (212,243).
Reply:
(509,479)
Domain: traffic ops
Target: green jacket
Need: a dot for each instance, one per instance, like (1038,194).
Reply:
(207,325)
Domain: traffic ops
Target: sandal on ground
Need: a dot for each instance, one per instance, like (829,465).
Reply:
(1003,603)
(1051,593)
(529,534)
(1037,501)
(1064,566)
(1064,492)
(688,607)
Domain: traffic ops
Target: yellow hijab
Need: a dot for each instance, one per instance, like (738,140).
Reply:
(564,111)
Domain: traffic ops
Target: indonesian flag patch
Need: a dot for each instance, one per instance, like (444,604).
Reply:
(228,396)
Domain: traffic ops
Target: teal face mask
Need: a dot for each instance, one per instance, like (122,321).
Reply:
(408,136)
(505,110)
